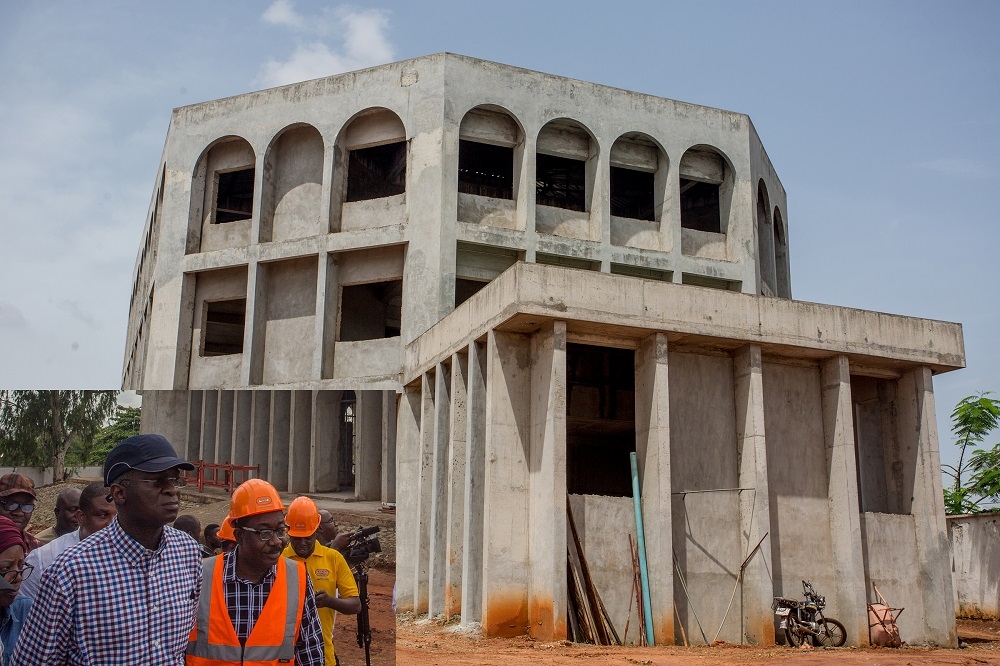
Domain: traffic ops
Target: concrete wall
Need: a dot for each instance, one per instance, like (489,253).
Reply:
(975,553)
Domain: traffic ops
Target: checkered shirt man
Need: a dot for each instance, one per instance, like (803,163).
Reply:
(109,600)
(246,599)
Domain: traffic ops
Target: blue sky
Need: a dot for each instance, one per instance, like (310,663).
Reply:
(882,119)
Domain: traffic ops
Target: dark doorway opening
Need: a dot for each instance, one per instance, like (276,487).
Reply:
(632,193)
(371,311)
(485,169)
(373,173)
(700,206)
(560,182)
(234,196)
(224,324)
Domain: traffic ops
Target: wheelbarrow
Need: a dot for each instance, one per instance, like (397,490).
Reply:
(882,628)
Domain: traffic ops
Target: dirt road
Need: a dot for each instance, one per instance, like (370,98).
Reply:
(431,644)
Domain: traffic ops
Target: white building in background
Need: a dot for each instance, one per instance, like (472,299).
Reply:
(516,279)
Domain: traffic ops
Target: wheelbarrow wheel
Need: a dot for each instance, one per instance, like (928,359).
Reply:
(830,633)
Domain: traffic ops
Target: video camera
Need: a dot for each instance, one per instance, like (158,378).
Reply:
(362,544)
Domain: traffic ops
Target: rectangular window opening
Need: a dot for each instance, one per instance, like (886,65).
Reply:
(600,420)
(224,324)
(377,172)
(642,272)
(485,170)
(466,289)
(234,196)
(371,311)
(560,182)
(700,206)
(632,194)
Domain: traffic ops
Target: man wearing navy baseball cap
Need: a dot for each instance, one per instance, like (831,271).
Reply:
(127,593)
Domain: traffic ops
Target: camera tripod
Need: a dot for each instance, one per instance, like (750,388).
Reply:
(364,626)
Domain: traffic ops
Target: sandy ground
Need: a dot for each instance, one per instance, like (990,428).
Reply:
(423,642)
(383,624)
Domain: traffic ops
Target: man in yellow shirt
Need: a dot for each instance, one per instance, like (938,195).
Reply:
(333,582)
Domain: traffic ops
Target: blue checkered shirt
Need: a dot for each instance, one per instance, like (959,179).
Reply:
(109,600)
(245,601)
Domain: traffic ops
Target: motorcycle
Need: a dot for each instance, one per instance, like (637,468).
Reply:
(804,620)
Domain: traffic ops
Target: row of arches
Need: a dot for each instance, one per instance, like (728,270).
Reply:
(772,246)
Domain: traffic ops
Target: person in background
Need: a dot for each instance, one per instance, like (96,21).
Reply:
(17,502)
(336,591)
(13,607)
(94,513)
(192,527)
(67,504)
(127,594)
(227,537)
(212,541)
(257,599)
(330,534)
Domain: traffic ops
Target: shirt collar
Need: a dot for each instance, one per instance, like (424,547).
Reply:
(134,551)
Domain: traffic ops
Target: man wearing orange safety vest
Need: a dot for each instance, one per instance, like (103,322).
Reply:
(256,606)
(336,591)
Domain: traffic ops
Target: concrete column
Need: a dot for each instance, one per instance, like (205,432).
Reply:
(439,491)
(652,447)
(242,423)
(320,320)
(252,368)
(209,425)
(755,513)
(224,436)
(166,413)
(368,435)
(506,558)
(277,454)
(388,446)
(194,413)
(407,512)
(526,194)
(850,599)
(171,361)
(326,432)
(600,206)
(475,475)
(918,442)
(424,488)
(300,441)
(260,432)
(455,483)
(328,300)
(548,524)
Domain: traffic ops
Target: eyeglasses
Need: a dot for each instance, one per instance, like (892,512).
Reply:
(328,522)
(266,534)
(10,575)
(161,483)
(14,506)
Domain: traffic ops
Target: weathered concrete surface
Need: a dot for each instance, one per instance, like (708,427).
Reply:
(975,552)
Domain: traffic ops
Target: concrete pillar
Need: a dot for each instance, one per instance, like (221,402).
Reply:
(252,368)
(475,476)
(918,442)
(455,484)
(166,413)
(849,599)
(326,432)
(652,447)
(328,300)
(755,513)
(194,413)
(439,491)
(407,513)
(368,435)
(242,420)
(300,441)
(209,425)
(224,431)
(548,524)
(388,446)
(506,559)
(260,432)
(425,467)
(277,453)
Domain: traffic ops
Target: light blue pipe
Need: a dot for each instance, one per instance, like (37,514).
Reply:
(643,573)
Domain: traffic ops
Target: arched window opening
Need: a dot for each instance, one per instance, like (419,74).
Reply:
(702,174)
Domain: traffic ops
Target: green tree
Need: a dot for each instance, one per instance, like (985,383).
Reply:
(976,478)
(39,427)
(124,424)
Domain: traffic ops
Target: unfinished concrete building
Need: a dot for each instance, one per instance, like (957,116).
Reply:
(537,276)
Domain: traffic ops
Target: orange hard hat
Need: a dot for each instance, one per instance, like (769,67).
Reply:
(302,517)
(253,497)
(226,531)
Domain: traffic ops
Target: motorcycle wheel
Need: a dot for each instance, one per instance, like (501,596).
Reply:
(831,633)
(793,639)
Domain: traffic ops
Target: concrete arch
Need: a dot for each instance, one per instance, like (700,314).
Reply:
(766,237)
(706,182)
(207,228)
(490,167)
(291,200)
(370,163)
(637,176)
(566,158)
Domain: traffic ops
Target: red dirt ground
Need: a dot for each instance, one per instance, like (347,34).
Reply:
(383,624)
(432,644)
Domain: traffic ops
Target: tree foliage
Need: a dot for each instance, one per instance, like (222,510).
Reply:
(124,424)
(38,427)
(975,479)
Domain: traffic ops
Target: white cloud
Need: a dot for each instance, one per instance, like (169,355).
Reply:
(11,317)
(361,31)
(958,167)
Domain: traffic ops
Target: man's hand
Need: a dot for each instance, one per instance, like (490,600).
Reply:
(348,606)
(341,540)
